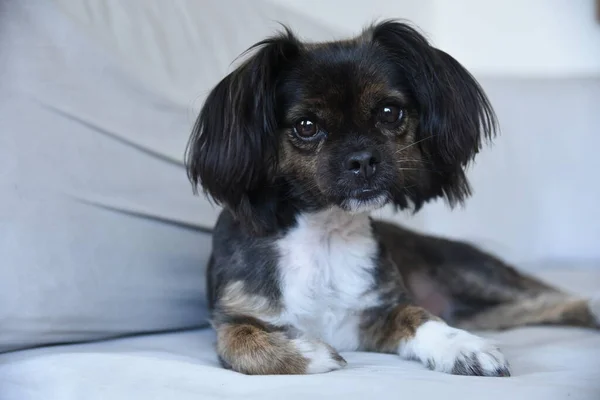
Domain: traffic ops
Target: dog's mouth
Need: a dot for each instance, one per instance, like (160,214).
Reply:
(366,194)
(365,200)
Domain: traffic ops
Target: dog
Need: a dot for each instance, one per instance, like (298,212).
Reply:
(299,144)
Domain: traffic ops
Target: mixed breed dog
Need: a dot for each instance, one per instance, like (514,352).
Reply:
(298,145)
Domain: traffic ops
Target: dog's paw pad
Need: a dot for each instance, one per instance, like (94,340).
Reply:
(320,356)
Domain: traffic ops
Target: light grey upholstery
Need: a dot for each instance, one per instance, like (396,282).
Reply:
(100,235)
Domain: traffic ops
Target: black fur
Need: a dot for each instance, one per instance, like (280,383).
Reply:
(454,111)
(233,148)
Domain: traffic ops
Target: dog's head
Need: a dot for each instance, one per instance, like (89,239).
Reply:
(382,118)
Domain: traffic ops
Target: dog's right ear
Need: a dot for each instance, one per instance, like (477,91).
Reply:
(233,149)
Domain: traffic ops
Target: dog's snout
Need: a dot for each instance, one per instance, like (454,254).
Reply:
(363,162)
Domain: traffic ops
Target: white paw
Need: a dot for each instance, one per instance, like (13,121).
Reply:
(447,349)
(321,357)
(594,306)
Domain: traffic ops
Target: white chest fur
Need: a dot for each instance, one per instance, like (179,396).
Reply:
(326,266)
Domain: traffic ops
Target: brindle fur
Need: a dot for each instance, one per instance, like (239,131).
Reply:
(245,154)
(479,291)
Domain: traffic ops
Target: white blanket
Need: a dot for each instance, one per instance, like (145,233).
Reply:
(547,364)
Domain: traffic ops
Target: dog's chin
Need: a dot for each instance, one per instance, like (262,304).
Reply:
(366,201)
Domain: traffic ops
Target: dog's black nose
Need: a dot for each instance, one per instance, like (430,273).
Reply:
(363,162)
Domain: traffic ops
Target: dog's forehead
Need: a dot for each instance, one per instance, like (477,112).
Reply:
(338,70)
(341,78)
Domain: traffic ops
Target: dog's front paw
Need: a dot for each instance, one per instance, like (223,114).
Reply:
(320,356)
(447,349)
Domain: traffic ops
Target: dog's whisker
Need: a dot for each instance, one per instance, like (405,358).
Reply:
(414,161)
(415,143)
(420,169)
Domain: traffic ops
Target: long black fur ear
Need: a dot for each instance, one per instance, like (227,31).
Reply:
(232,151)
(455,114)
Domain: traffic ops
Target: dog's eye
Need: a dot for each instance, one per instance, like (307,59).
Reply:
(389,114)
(306,128)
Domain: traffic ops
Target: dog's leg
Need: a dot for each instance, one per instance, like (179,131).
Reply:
(487,294)
(544,309)
(475,290)
(492,295)
(252,347)
(414,333)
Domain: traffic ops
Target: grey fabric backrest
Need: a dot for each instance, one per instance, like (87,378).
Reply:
(100,234)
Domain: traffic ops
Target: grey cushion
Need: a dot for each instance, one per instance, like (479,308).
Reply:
(547,364)
(100,234)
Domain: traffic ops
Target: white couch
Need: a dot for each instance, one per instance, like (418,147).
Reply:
(102,245)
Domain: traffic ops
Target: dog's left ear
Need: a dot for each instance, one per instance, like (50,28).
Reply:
(454,112)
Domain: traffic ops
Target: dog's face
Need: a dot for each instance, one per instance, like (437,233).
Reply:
(382,118)
(348,127)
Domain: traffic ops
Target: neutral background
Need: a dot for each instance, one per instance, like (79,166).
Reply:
(506,37)
(536,190)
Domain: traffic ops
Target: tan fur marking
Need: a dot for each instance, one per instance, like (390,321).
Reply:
(251,349)
(385,332)
(236,301)
(302,167)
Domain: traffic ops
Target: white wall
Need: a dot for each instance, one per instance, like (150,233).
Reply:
(532,37)
(514,37)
